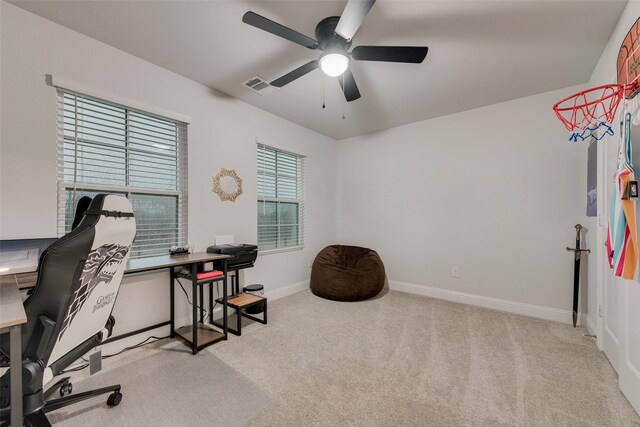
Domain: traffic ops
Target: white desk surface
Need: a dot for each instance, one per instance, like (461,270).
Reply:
(165,261)
(11,308)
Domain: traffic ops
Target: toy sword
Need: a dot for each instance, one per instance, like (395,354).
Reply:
(576,272)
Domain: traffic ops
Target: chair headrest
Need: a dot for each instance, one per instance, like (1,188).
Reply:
(81,208)
(111,206)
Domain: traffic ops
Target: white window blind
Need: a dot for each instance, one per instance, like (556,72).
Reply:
(281,199)
(109,148)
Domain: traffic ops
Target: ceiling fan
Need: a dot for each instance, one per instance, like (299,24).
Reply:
(334,36)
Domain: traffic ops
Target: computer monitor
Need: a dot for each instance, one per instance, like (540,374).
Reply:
(22,255)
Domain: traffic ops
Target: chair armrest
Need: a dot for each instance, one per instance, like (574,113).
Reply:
(111,322)
(73,355)
(41,341)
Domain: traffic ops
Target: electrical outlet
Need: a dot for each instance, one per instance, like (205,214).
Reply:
(309,263)
(455,272)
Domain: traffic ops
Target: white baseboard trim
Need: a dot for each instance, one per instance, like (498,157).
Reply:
(591,326)
(531,310)
(285,291)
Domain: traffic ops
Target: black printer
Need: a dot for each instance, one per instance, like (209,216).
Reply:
(242,256)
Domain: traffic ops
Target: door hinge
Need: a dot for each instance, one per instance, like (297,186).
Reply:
(599,310)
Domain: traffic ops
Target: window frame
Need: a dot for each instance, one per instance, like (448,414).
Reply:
(181,167)
(299,201)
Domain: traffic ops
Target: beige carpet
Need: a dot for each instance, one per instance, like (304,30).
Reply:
(405,360)
(168,387)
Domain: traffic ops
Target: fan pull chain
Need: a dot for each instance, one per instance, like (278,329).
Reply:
(323,106)
(344,94)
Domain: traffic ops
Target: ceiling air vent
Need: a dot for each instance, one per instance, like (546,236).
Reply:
(258,85)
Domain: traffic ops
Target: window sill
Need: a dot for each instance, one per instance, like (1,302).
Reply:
(280,250)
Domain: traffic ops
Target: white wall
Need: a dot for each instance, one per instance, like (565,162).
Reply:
(223,133)
(495,191)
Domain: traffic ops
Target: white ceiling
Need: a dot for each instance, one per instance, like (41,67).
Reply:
(480,52)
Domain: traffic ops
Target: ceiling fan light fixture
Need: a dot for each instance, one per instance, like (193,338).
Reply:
(334,64)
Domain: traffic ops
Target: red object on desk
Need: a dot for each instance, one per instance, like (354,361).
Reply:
(209,274)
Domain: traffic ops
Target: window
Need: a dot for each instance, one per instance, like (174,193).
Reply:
(108,148)
(280,199)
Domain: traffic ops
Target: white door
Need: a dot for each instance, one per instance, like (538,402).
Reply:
(601,266)
(629,319)
(609,307)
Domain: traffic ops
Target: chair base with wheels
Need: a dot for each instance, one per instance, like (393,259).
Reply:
(37,404)
(38,418)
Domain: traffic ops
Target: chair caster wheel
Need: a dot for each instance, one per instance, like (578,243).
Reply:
(65,388)
(114,399)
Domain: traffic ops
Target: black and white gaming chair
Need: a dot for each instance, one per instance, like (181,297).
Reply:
(69,310)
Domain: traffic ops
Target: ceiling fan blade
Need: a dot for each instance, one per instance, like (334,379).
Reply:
(295,74)
(407,54)
(349,86)
(272,27)
(352,17)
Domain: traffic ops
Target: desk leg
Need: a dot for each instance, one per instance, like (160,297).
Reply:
(225,320)
(15,352)
(211,302)
(201,303)
(172,296)
(234,283)
(194,311)
(265,312)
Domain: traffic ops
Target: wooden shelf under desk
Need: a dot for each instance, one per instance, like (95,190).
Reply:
(206,335)
(241,301)
(189,277)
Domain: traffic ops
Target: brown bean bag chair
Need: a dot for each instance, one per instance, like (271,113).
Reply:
(347,273)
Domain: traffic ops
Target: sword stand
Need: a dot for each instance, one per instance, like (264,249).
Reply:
(576,272)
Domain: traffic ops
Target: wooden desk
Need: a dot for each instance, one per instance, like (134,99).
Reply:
(12,316)
(198,335)
(150,264)
(141,265)
(138,265)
